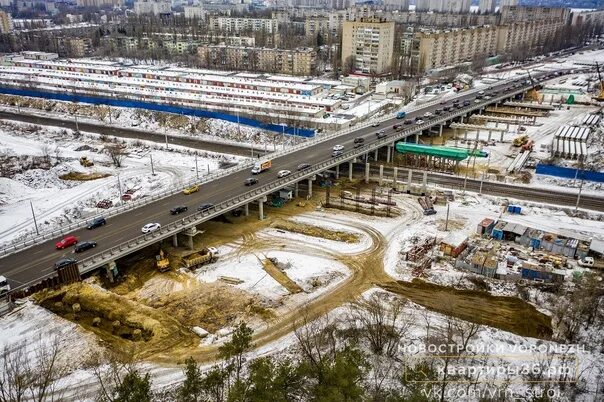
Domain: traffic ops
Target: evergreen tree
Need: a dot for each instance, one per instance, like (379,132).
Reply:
(134,388)
(191,389)
(234,350)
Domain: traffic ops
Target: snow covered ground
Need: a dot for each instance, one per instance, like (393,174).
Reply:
(57,201)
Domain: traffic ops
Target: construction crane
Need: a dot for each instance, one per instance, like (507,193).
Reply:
(533,94)
(600,96)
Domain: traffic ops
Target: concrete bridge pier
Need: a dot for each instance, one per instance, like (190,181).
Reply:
(190,233)
(417,138)
(367,167)
(501,137)
(440,130)
(381,174)
(337,172)
(350,170)
(246,207)
(375,154)
(425,183)
(388,152)
(394,177)
(461,119)
(309,191)
(490,132)
(175,240)
(296,190)
(409,179)
(261,202)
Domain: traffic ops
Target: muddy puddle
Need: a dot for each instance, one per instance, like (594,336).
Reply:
(507,313)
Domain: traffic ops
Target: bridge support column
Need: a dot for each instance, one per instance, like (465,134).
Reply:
(190,233)
(175,240)
(461,119)
(409,179)
(440,131)
(417,138)
(367,166)
(350,170)
(246,210)
(109,271)
(388,152)
(394,177)
(507,126)
(465,135)
(477,134)
(425,183)
(261,202)
(490,132)
(309,191)
(381,174)
(501,137)
(296,190)
(375,154)
(496,124)
(337,172)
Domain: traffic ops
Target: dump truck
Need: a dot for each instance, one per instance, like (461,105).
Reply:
(520,140)
(205,256)
(162,262)
(260,167)
(84,161)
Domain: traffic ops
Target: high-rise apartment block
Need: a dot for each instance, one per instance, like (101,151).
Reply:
(368,45)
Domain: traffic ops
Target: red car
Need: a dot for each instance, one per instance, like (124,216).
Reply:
(66,242)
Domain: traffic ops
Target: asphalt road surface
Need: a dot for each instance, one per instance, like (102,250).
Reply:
(32,263)
(194,143)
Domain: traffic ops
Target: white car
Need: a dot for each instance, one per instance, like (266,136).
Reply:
(283,173)
(338,147)
(376,124)
(151,227)
(427,114)
(420,121)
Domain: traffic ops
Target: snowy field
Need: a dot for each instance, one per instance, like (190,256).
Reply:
(56,201)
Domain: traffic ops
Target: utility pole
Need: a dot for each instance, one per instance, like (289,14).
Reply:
(152,169)
(196,167)
(447,218)
(166,135)
(34,215)
(119,185)
(76,122)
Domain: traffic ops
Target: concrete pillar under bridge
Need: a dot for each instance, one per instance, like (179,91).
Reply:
(350,170)
(190,233)
(175,240)
(381,174)
(246,210)
(376,154)
(388,152)
(367,167)
(409,180)
(309,189)
(261,202)
(417,138)
(440,130)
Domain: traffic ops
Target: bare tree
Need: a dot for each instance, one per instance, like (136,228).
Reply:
(117,153)
(23,377)
(316,339)
(382,322)
(45,150)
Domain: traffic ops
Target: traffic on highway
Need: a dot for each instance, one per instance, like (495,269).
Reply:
(42,259)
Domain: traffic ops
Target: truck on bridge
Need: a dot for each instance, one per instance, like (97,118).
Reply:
(260,167)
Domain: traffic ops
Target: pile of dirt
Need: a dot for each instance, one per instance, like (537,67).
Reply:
(315,231)
(130,327)
(79,176)
(211,306)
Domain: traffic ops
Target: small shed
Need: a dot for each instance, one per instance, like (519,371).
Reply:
(596,248)
(454,244)
(485,226)
(540,274)
(497,232)
(513,231)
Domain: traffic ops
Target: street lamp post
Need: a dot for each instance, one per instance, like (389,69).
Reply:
(152,169)
(34,215)
(196,167)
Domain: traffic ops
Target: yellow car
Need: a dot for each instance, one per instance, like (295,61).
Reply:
(190,190)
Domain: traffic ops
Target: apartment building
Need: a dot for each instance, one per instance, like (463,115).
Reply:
(155,7)
(368,44)
(315,25)
(510,14)
(529,36)
(401,5)
(195,12)
(294,62)
(587,17)
(448,48)
(235,24)
(486,6)
(100,3)
(6,22)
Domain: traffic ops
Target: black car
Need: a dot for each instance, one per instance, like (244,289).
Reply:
(336,153)
(397,126)
(84,245)
(359,140)
(408,121)
(447,108)
(251,181)
(418,118)
(358,145)
(303,166)
(179,209)
(205,206)
(65,262)
(438,111)
(97,222)
(466,103)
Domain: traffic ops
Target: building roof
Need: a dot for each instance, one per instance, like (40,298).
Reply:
(486,222)
(455,239)
(597,246)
